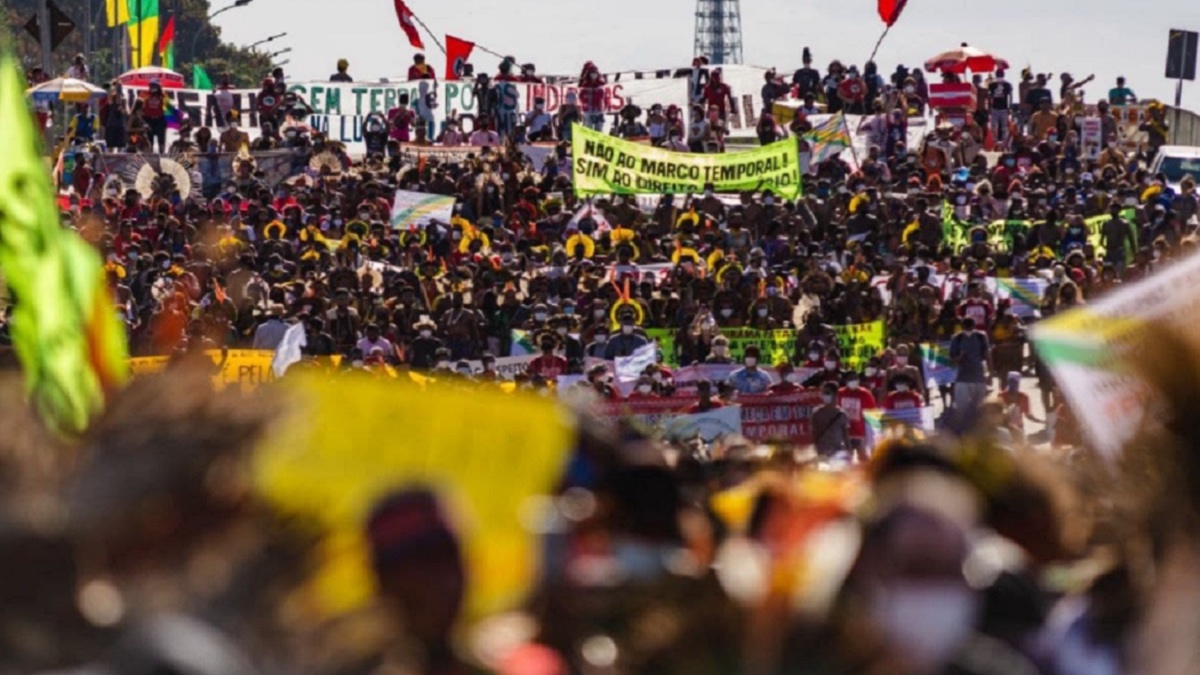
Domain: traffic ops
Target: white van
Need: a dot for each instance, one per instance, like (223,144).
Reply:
(1177,161)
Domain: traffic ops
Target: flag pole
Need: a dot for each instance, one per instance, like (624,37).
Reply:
(853,150)
(879,42)
(431,35)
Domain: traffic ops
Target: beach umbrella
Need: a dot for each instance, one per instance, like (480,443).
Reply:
(142,77)
(65,89)
(963,59)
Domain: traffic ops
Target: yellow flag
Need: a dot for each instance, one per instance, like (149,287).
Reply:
(117,12)
(143,41)
(352,441)
(64,327)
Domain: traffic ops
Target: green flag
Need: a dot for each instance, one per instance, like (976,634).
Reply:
(200,78)
(64,328)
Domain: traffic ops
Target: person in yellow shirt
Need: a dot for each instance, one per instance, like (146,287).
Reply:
(1043,122)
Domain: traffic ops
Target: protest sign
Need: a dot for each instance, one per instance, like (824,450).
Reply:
(775,346)
(338,455)
(606,164)
(244,368)
(709,426)
(884,424)
(939,370)
(1091,350)
(418,209)
(507,367)
(1091,136)
(859,342)
(628,368)
(1025,294)
(779,418)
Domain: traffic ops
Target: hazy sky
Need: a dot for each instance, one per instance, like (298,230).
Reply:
(1105,37)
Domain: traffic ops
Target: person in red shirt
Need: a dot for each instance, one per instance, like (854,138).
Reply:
(154,112)
(591,96)
(717,93)
(549,365)
(420,70)
(977,307)
(708,401)
(855,400)
(790,383)
(601,381)
(875,378)
(904,397)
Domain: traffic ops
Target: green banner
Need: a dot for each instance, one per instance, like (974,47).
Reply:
(859,342)
(605,164)
(775,346)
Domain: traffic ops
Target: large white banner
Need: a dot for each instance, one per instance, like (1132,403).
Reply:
(340,107)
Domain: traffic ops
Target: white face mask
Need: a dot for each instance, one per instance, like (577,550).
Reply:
(902,360)
(791,377)
(598,313)
(750,361)
(813,356)
(827,398)
(871,371)
(726,312)
(644,388)
(719,351)
(762,311)
(539,316)
(561,330)
(627,329)
(902,387)
(426,333)
(853,384)
(830,365)
(601,338)
(927,621)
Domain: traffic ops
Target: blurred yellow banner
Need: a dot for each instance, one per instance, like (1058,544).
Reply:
(351,441)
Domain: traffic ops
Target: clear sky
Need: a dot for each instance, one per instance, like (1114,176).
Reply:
(1104,37)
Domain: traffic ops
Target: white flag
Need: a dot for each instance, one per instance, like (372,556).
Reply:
(629,368)
(288,350)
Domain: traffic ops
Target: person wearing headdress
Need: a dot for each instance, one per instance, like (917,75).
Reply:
(547,364)
(807,80)
(422,353)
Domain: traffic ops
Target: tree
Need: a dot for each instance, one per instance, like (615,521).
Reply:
(244,67)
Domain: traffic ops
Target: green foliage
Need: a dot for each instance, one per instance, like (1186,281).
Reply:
(245,68)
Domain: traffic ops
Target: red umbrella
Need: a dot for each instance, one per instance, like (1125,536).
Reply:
(142,77)
(963,59)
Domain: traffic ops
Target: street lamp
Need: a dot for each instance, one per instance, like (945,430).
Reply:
(266,40)
(196,35)
(281,63)
(281,51)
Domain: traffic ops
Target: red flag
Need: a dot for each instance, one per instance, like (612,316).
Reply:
(408,25)
(457,53)
(889,10)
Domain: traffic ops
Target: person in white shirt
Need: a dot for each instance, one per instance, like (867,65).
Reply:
(484,136)
(79,69)
(269,334)
(539,125)
(372,340)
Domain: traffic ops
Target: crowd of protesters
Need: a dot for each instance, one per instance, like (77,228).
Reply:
(937,557)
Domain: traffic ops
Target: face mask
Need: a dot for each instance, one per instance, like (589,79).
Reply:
(569,311)
(719,351)
(627,330)
(769,201)
(166,264)
(830,365)
(910,89)
(750,361)
(598,313)
(827,398)
(928,621)
(762,312)
(726,312)
(902,387)
(853,384)
(708,193)
(601,338)
(871,371)
(813,356)
(443,365)
(791,378)
(560,330)
(426,333)
(1131,201)
(644,388)
(901,360)
(539,316)
(772,292)
(960,200)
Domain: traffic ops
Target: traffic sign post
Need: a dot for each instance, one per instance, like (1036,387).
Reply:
(1181,63)
(60,26)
